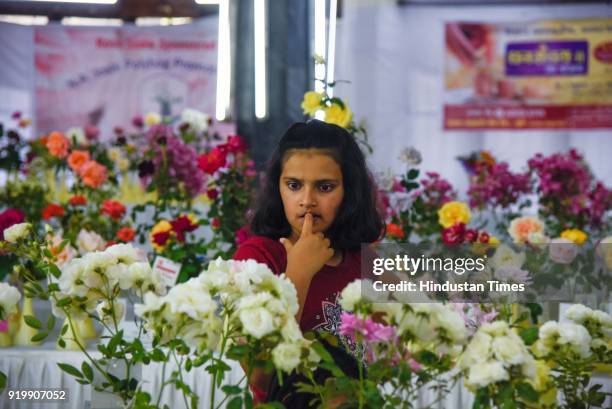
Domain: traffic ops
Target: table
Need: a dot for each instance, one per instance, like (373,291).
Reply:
(37,368)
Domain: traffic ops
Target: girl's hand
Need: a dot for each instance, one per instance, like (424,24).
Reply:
(310,252)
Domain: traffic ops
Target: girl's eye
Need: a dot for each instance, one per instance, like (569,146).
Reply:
(326,187)
(293,185)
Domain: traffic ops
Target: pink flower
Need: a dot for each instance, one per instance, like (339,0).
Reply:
(236,144)
(8,218)
(370,331)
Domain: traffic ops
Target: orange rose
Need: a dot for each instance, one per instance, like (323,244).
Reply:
(521,227)
(58,145)
(395,231)
(77,159)
(93,174)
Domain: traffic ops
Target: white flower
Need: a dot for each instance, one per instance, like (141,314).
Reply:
(578,313)
(291,331)
(143,277)
(17,232)
(553,335)
(477,351)
(509,349)
(351,295)
(505,256)
(198,121)
(486,373)
(106,312)
(9,297)
(411,156)
(88,241)
(286,356)
(77,136)
(562,250)
(125,253)
(151,302)
(538,238)
(190,299)
(257,322)
(71,280)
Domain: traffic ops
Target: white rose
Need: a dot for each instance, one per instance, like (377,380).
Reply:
(291,331)
(89,241)
(9,297)
(509,350)
(151,302)
(486,373)
(452,323)
(351,295)
(17,232)
(538,238)
(286,357)
(141,275)
(505,256)
(411,156)
(77,136)
(578,313)
(125,253)
(496,328)
(106,312)
(257,322)
(477,351)
(71,280)
(562,250)
(188,298)
(198,121)
(576,336)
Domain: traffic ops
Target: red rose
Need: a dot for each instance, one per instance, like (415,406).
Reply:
(484,237)
(126,234)
(52,210)
(454,234)
(181,225)
(113,208)
(471,235)
(215,223)
(236,144)
(78,200)
(161,238)
(212,161)
(212,194)
(8,218)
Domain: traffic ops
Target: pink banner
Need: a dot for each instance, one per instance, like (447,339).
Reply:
(104,76)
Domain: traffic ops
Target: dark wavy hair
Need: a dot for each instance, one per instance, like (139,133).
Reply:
(358,219)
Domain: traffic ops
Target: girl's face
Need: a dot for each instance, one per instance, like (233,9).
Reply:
(310,182)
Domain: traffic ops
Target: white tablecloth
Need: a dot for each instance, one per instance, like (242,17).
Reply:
(37,368)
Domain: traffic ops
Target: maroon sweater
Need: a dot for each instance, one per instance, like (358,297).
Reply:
(321,310)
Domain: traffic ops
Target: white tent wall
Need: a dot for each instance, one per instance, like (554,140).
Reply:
(393,57)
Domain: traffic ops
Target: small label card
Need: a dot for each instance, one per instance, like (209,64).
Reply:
(168,269)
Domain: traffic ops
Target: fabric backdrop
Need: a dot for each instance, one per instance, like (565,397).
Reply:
(393,57)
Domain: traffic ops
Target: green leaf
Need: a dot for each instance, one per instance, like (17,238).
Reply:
(61,342)
(158,355)
(231,389)
(87,371)
(50,322)
(2,381)
(235,403)
(527,392)
(71,370)
(412,174)
(39,337)
(322,352)
(529,335)
(53,269)
(32,321)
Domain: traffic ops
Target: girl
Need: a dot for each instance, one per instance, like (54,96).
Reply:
(316,208)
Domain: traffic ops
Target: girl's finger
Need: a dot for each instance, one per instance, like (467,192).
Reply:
(307,226)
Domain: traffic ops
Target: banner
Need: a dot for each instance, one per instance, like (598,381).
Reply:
(553,74)
(105,76)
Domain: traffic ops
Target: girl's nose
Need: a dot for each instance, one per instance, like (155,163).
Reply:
(308,198)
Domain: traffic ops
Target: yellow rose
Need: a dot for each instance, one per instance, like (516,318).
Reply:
(543,384)
(452,213)
(334,114)
(494,241)
(311,102)
(152,118)
(575,235)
